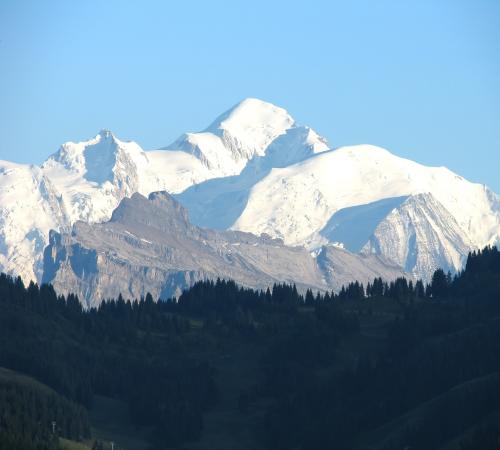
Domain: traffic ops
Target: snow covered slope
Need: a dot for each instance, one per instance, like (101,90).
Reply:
(297,202)
(420,235)
(29,208)
(217,203)
(93,176)
(245,131)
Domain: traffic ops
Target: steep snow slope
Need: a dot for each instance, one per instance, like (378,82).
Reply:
(29,208)
(238,135)
(354,225)
(415,232)
(93,176)
(218,202)
(420,235)
(296,202)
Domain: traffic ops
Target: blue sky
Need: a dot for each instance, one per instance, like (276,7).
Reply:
(421,78)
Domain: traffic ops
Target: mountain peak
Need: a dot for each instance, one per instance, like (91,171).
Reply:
(250,116)
(104,158)
(235,137)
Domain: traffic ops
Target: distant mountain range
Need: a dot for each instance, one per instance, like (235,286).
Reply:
(253,170)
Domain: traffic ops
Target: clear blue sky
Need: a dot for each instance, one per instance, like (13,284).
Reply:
(421,78)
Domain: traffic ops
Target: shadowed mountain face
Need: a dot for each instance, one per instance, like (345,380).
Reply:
(354,226)
(149,245)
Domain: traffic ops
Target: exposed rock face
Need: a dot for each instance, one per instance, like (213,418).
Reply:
(150,246)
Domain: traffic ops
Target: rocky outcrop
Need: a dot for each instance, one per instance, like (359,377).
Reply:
(149,245)
(340,267)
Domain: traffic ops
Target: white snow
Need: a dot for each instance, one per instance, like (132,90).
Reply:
(255,123)
(29,209)
(420,235)
(296,201)
(235,137)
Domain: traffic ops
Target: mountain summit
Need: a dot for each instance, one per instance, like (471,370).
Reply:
(245,131)
(255,123)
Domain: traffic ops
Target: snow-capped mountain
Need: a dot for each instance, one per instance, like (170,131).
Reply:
(93,176)
(343,195)
(217,203)
(296,201)
(87,180)
(245,131)
(255,169)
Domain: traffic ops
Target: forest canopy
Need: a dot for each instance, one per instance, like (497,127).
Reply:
(383,366)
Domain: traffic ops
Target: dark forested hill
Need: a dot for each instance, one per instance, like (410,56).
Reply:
(32,415)
(386,366)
